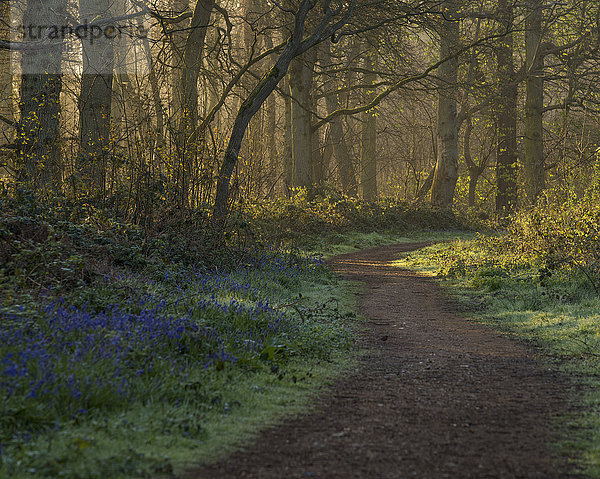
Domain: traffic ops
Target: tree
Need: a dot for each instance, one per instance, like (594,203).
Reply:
(188,132)
(506,114)
(446,170)
(95,101)
(335,100)
(330,22)
(534,102)
(368,155)
(301,83)
(7,111)
(41,85)
(288,160)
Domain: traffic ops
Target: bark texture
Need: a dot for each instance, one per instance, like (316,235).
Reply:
(95,101)
(446,170)
(368,151)
(7,110)
(334,101)
(302,141)
(475,170)
(534,103)
(41,84)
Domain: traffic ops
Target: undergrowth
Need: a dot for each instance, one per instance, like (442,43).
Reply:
(127,352)
(330,218)
(132,350)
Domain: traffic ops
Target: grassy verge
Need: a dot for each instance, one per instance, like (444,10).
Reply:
(136,352)
(557,311)
(125,353)
(337,243)
(187,371)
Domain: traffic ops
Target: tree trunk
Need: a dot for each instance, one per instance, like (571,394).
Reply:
(41,85)
(253,143)
(190,137)
(247,110)
(506,116)
(368,151)
(446,170)
(95,102)
(302,144)
(475,170)
(345,100)
(7,127)
(341,152)
(295,47)
(318,169)
(159,136)
(270,128)
(177,41)
(426,186)
(288,161)
(534,103)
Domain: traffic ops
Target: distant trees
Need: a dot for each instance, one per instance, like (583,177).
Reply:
(95,102)
(481,104)
(506,112)
(327,25)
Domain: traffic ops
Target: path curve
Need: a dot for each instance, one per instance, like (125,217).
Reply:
(437,396)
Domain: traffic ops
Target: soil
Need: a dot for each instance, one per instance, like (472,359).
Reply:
(436,396)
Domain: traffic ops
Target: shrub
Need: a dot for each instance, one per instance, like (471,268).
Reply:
(286,220)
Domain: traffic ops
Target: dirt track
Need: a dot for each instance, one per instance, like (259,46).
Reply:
(437,396)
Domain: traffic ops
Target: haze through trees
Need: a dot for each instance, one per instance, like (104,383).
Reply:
(142,107)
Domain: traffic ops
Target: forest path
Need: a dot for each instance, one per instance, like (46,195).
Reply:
(436,396)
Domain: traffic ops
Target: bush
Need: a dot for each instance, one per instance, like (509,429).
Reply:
(285,220)
(561,237)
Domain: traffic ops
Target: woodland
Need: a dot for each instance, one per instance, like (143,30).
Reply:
(172,175)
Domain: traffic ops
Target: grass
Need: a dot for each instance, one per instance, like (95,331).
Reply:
(557,313)
(339,243)
(129,352)
(199,410)
(149,371)
(154,439)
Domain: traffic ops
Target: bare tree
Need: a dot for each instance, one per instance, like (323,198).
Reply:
(95,101)
(332,19)
(534,103)
(188,132)
(506,115)
(301,83)
(336,100)
(368,153)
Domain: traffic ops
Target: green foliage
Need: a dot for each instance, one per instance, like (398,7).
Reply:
(561,236)
(288,221)
(249,327)
(186,337)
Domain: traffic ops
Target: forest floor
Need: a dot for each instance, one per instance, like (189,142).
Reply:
(434,396)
